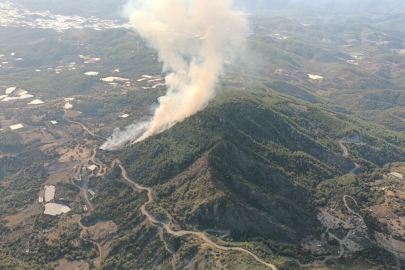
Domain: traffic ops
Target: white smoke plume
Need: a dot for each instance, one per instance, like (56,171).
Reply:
(193,39)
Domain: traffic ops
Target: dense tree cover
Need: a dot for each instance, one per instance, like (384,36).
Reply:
(10,141)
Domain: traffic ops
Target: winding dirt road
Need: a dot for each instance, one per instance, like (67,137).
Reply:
(83,126)
(345,154)
(201,235)
(97,262)
(349,209)
(344,148)
(154,222)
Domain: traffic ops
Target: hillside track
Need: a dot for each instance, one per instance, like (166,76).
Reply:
(155,223)
(201,235)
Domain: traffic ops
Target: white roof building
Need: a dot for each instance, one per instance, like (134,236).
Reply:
(26,96)
(36,102)
(49,193)
(54,122)
(92,167)
(397,175)
(10,90)
(91,73)
(315,77)
(15,127)
(55,209)
(112,79)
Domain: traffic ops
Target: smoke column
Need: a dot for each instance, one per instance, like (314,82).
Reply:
(193,39)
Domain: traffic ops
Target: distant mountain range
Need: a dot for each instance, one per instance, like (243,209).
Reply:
(373,6)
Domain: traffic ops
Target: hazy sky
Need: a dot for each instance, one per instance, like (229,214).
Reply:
(111,6)
(325,5)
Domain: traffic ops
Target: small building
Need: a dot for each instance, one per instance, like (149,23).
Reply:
(16,127)
(49,193)
(91,73)
(55,209)
(91,192)
(85,208)
(92,167)
(124,116)
(36,102)
(26,96)
(396,175)
(54,122)
(10,90)
(41,199)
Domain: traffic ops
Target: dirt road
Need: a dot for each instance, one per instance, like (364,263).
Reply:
(154,222)
(344,148)
(345,154)
(201,235)
(83,126)
(97,262)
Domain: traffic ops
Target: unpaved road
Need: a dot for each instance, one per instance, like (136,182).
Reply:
(201,235)
(83,126)
(154,222)
(344,148)
(100,258)
(86,129)
(346,155)
(348,208)
(356,168)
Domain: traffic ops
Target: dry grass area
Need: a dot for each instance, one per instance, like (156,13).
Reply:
(52,237)
(60,177)
(381,212)
(75,265)
(76,154)
(391,244)
(24,216)
(50,146)
(387,213)
(72,114)
(102,231)
(335,219)
(37,134)
(400,170)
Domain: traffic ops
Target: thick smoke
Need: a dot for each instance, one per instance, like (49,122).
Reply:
(193,39)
